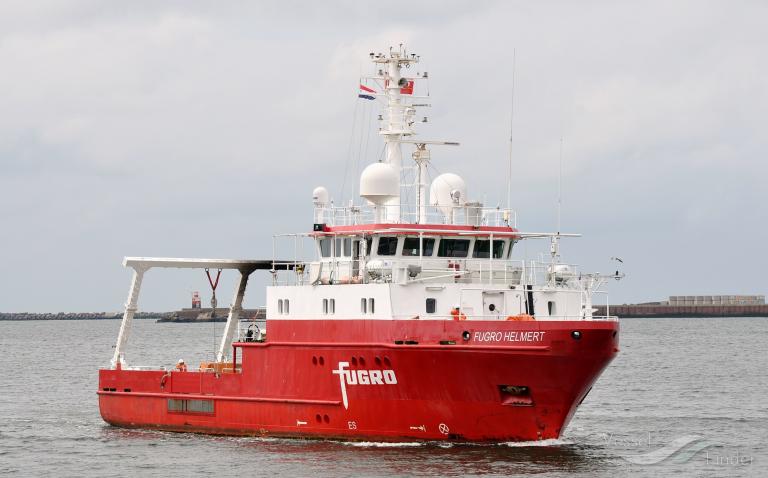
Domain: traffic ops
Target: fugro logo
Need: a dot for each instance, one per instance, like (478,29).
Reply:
(362,377)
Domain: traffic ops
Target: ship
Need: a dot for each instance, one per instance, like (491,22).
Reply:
(412,320)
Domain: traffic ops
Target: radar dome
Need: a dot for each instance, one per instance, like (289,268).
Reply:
(320,196)
(447,192)
(379,183)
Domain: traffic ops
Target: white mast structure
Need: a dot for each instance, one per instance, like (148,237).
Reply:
(397,125)
(398,122)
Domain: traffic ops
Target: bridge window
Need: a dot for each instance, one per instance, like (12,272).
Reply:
(343,247)
(387,246)
(483,249)
(411,246)
(356,248)
(509,250)
(325,247)
(453,248)
(431,305)
(337,247)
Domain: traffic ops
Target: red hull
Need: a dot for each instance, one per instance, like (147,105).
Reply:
(297,384)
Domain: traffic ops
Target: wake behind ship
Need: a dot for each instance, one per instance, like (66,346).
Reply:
(413,321)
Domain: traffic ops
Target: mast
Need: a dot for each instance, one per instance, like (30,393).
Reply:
(398,119)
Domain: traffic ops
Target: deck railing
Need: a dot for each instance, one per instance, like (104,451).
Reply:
(467,214)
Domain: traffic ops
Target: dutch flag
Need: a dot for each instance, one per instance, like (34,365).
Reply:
(363,90)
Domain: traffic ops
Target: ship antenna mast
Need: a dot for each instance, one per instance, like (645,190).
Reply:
(560,187)
(398,119)
(511,135)
(555,244)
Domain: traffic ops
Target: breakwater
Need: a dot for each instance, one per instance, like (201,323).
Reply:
(78,315)
(666,310)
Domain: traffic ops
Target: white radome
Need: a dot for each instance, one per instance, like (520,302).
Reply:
(447,191)
(379,183)
(320,196)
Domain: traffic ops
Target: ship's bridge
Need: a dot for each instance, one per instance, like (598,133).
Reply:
(403,253)
(408,253)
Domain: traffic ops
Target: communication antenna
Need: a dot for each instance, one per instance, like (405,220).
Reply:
(511,134)
(560,187)
(554,248)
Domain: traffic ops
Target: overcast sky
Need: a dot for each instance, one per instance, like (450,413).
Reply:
(199,129)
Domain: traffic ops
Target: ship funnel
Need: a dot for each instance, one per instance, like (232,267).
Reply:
(448,193)
(379,183)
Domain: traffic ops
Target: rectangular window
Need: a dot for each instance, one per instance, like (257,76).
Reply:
(332,306)
(509,250)
(200,406)
(453,248)
(370,306)
(325,306)
(190,406)
(431,305)
(347,247)
(325,247)
(551,307)
(287,308)
(356,248)
(483,249)
(411,246)
(280,306)
(363,306)
(337,250)
(368,245)
(498,249)
(387,246)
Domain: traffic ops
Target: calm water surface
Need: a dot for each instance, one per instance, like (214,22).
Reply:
(674,378)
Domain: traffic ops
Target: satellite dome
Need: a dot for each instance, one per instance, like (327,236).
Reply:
(379,183)
(447,192)
(320,196)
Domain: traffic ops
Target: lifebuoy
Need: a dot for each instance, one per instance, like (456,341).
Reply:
(458,315)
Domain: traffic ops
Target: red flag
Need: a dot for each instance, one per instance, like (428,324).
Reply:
(405,90)
(365,88)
